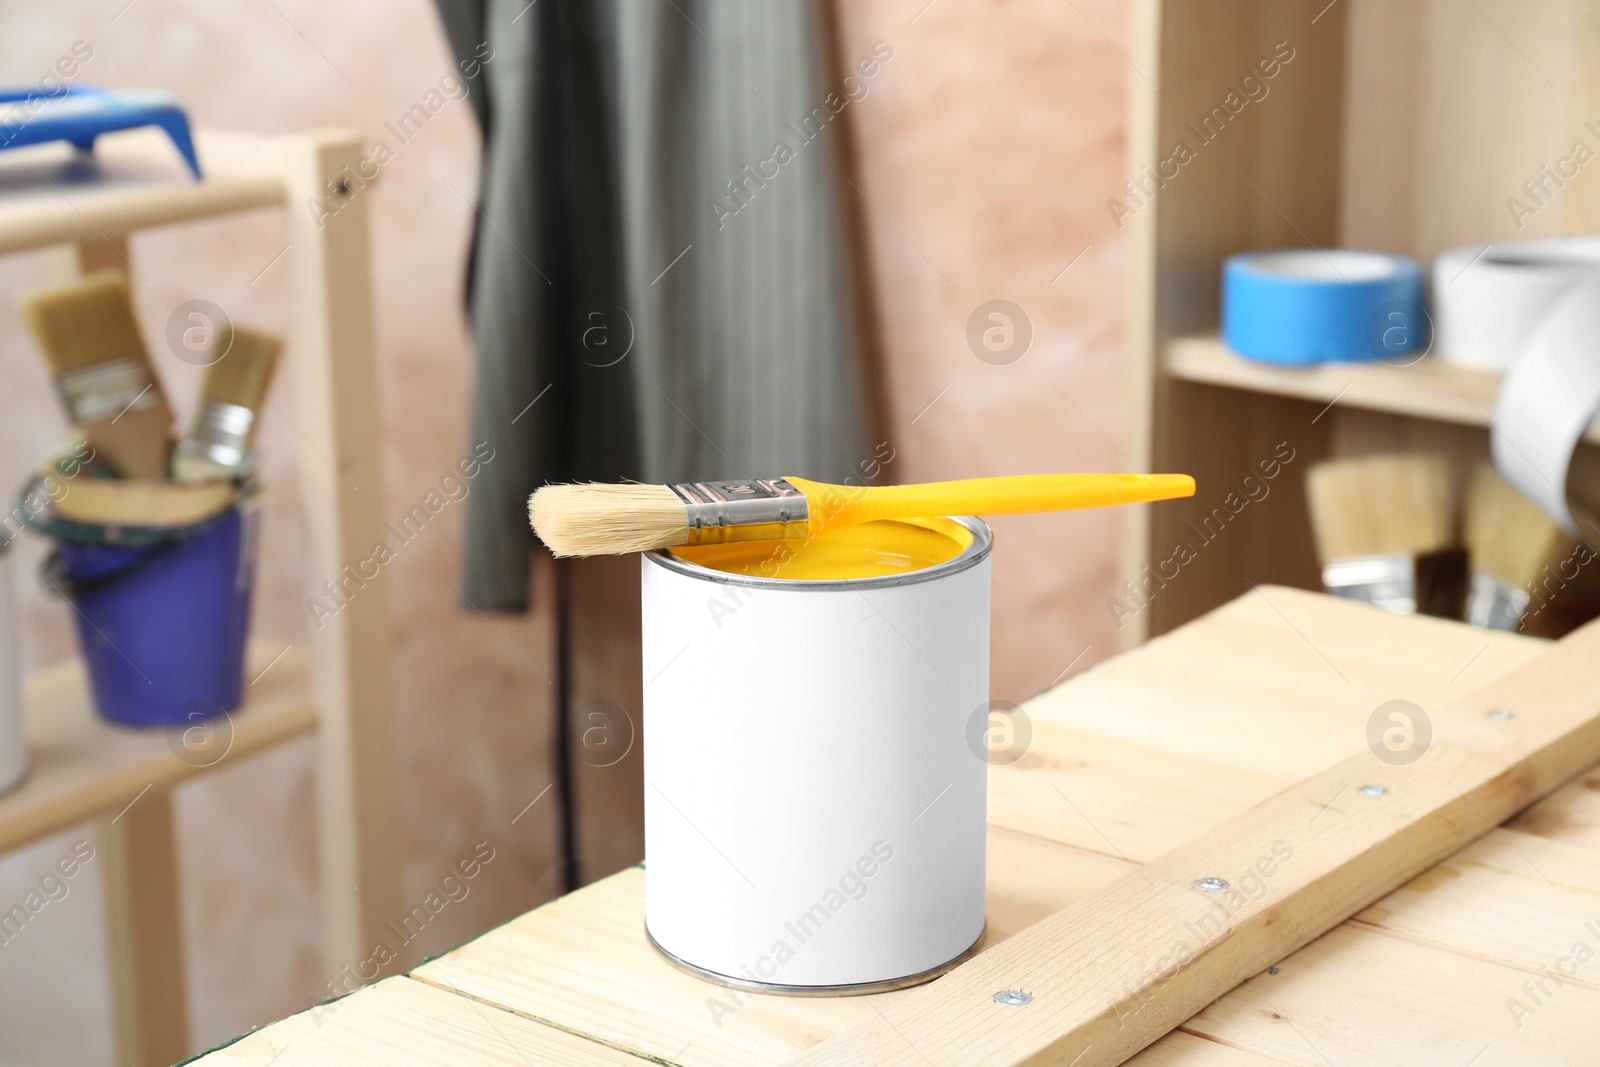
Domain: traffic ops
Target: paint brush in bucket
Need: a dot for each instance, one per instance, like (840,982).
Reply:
(91,340)
(600,520)
(220,433)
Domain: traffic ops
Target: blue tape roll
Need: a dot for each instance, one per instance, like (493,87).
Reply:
(1302,306)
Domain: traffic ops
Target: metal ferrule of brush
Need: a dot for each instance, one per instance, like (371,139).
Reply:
(221,433)
(759,510)
(1390,582)
(108,389)
(1494,603)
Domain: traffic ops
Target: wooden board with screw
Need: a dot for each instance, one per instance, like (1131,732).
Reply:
(1114,972)
(1188,714)
(1211,727)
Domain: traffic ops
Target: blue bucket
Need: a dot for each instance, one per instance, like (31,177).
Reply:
(162,615)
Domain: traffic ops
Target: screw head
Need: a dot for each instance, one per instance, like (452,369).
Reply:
(1373,790)
(1211,883)
(1502,714)
(1272,970)
(1013,998)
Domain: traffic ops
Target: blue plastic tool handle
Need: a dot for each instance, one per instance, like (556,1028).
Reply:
(80,114)
(1304,306)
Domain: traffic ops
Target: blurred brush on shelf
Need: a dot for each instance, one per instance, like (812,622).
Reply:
(1509,541)
(1384,532)
(90,339)
(222,428)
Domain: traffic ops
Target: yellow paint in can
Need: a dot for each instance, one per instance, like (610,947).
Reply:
(864,550)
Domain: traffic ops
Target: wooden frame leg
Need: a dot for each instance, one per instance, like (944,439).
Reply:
(145,933)
(331,356)
(66,262)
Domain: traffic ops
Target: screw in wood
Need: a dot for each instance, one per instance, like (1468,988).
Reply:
(1012,998)
(1211,883)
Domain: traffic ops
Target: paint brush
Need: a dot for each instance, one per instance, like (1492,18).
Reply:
(599,520)
(1509,540)
(90,339)
(224,421)
(1381,524)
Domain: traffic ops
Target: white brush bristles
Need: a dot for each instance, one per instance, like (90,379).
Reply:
(608,520)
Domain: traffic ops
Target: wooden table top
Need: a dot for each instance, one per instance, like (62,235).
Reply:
(1128,760)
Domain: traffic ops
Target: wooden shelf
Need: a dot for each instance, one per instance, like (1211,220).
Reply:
(50,195)
(84,206)
(1428,389)
(83,766)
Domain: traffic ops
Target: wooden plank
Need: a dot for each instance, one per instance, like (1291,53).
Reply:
(1355,997)
(1170,695)
(83,766)
(1179,1049)
(573,961)
(582,963)
(1143,752)
(1571,815)
(331,353)
(1120,969)
(1117,799)
(1511,898)
(1030,879)
(1311,664)
(1428,389)
(145,931)
(402,1023)
(134,180)
(1516,898)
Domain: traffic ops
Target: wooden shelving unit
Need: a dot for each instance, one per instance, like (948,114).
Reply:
(1393,126)
(1426,388)
(83,766)
(336,681)
(49,196)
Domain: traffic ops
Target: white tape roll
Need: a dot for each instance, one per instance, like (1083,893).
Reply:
(1487,299)
(1531,308)
(1548,398)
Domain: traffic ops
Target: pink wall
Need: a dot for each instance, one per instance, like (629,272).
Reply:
(987,148)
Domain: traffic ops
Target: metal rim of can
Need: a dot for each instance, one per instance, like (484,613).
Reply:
(856,989)
(975,552)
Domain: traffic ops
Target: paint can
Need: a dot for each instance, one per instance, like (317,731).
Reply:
(815,769)
(13,745)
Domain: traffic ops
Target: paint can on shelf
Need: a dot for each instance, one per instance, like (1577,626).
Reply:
(815,756)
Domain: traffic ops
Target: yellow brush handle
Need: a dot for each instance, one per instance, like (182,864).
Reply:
(844,505)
